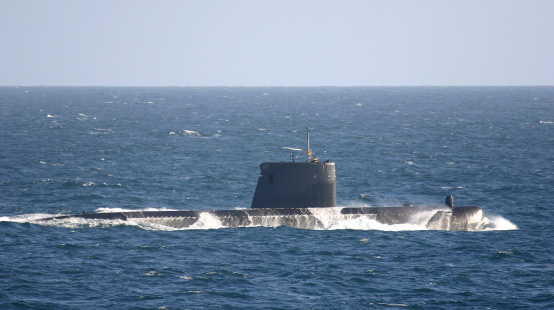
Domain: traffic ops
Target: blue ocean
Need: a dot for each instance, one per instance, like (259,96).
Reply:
(68,150)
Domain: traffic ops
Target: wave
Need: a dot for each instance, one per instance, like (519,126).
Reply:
(192,133)
(101,131)
(497,222)
(78,223)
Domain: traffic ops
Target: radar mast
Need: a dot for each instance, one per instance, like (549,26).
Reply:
(308,138)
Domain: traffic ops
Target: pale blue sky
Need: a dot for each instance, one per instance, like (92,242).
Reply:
(276,43)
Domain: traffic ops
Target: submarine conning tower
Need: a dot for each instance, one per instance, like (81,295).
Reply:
(310,184)
(296,185)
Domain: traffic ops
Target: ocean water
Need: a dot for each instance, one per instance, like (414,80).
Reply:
(65,150)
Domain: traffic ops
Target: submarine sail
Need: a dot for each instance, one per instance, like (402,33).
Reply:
(296,185)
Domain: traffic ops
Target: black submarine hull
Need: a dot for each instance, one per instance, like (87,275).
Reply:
(463,218)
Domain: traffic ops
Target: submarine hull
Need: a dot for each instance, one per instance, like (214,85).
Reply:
(434,218)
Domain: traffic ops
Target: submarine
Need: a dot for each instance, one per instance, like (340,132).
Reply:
(301,195)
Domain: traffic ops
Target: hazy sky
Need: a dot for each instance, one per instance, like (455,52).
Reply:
(276,43)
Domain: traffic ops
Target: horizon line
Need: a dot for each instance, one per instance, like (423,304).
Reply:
(260,86)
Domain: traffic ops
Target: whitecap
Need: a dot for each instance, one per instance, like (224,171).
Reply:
(189,133)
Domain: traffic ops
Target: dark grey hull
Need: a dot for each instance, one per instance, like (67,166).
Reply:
(436,218)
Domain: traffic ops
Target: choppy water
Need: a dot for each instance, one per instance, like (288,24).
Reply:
(69,150)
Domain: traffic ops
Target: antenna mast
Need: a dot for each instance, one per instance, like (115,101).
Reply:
(308,138)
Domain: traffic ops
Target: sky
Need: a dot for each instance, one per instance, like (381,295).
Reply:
(276,43)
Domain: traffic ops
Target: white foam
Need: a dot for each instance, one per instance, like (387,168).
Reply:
(327,216)
(149,225)
(496,222)
(80,223)
(26,218)
(189,133)
(365,223)
(70,222)
(206,221)
(333,219)
(110,210)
